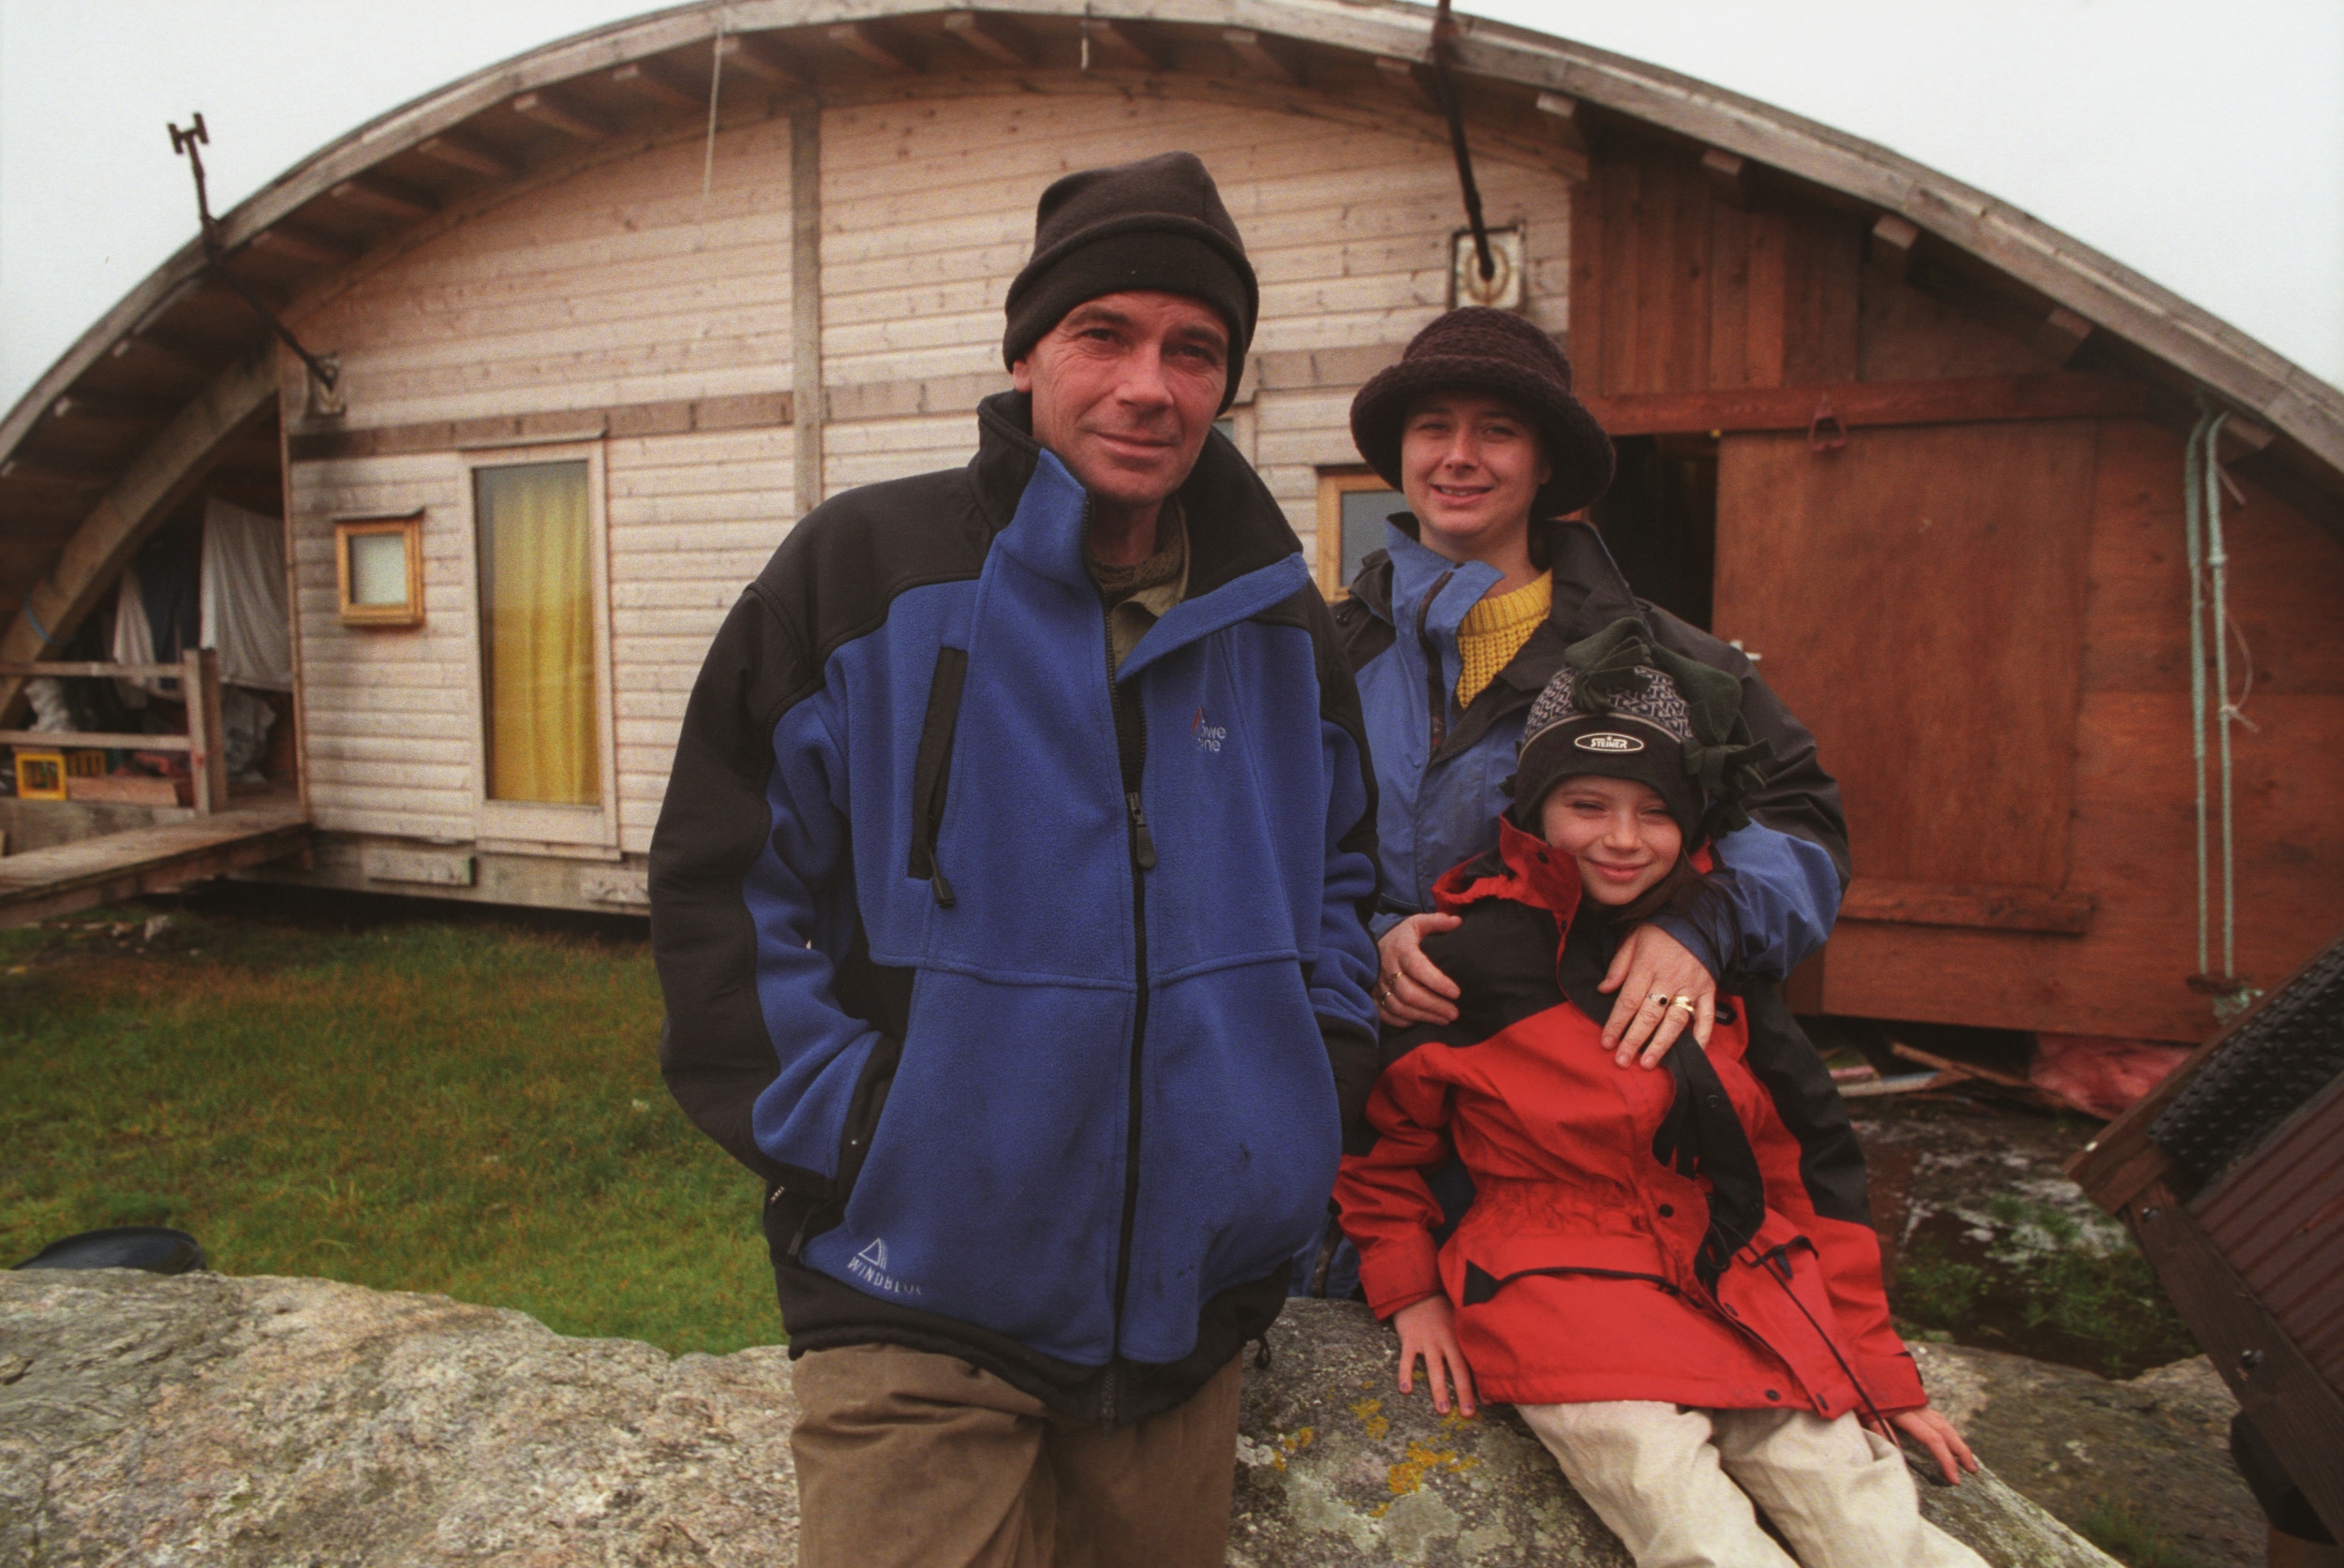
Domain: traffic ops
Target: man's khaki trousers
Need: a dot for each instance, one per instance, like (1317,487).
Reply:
(908,1460)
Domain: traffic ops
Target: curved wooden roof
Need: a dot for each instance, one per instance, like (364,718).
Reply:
(165,386)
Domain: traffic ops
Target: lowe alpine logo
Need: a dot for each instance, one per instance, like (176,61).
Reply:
(1605,741)
(1209,736)
(870,1266)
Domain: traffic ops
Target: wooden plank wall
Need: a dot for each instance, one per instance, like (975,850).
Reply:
(625,285)
(1677,290)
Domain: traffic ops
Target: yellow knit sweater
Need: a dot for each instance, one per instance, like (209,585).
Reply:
(1494,631)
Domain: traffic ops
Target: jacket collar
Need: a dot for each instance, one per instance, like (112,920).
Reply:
(1523,868)
(1243,557)
(1590,592)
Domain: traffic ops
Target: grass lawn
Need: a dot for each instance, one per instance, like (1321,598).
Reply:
(410,1103)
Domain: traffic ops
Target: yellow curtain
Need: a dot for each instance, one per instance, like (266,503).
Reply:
(536,633)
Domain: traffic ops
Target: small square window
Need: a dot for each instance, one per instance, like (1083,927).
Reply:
(378,569)
(1352,505)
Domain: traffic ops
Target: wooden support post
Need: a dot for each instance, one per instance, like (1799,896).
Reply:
(458,152)
(1892,242)
(762,62)
(888,48)
(207,741)
(996,38)
(646,81)
(207,744)
(546,109)
(1265,54)
(807,404)
(1726,175)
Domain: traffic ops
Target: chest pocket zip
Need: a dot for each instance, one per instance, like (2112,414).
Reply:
(931,770)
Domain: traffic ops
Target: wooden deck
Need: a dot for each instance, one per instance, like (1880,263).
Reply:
(92,871)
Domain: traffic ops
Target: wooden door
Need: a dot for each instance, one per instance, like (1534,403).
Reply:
(1917,597)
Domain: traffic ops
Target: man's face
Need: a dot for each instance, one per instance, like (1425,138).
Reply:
(1126,389)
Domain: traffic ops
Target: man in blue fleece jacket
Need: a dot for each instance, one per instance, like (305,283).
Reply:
(1010,900)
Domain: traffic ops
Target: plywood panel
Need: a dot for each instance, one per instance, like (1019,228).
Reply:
(1917,599)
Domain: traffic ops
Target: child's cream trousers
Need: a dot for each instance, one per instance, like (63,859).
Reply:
(1676,1485)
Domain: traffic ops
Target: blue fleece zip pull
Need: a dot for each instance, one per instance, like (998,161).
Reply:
(1143,842)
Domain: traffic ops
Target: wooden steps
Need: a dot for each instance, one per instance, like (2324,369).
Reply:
(114,865)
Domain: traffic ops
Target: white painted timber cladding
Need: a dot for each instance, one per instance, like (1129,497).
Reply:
(623,283)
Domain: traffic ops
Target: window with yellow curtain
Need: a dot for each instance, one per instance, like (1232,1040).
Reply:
(537,633)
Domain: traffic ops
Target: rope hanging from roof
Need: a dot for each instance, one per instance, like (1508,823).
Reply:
(1444,53)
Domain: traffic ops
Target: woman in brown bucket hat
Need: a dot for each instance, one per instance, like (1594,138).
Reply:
(1460,621)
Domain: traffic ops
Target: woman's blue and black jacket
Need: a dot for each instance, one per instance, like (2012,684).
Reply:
(1037,994)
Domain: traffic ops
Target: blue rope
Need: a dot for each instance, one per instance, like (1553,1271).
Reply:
(46,641)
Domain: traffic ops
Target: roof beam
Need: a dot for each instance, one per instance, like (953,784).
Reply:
(163,347)
(996,38)
(103,408)
(761,61)
(458,152)
(1266,54)
(1411,80)
(295,244)
(1728,176)
(548,110)
(151,482)
(1130,41)
(1570,120)
(646,80)
(2062,334)
(1892,242)
(379,195)
(56,472)
(888,48)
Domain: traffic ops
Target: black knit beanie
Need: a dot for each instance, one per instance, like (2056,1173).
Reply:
(1157,224)
(1624,707)
(1477,348)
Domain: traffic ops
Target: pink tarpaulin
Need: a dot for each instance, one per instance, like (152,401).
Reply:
(2098,1074)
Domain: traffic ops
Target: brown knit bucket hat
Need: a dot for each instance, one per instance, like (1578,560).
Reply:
(1477,348)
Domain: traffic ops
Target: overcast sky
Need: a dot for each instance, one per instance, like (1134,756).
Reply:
(2200,144)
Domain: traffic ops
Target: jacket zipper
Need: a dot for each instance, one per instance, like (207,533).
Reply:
(1143,852)
(1436,694)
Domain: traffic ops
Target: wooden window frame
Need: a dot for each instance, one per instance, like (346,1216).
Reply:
(409,526)
(529,826)
(1335,482)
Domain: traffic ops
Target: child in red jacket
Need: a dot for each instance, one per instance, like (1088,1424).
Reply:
(1669,1273)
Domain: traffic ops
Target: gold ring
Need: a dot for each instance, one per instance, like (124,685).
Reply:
(1684,1002)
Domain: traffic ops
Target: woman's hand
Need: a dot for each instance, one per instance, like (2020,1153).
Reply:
(1932,1431)
(1409,987)
(1651,971)
(1428,1328)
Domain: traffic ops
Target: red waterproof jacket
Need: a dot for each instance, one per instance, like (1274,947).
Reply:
(1695,1233)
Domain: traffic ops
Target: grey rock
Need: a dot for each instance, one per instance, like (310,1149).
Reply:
(263,1422)
(210,1420)
(2153,1448)
(1337,1469)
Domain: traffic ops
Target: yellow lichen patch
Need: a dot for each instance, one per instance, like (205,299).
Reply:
(1367,1411)
(1422,1459)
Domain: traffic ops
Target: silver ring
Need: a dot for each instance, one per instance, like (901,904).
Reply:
(1658,999)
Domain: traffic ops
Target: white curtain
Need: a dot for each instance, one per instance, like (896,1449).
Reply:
(244,613)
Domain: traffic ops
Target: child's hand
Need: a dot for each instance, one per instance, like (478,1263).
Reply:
(1428,1328)
(1932,1431)
(1409,987)
(1652,970)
